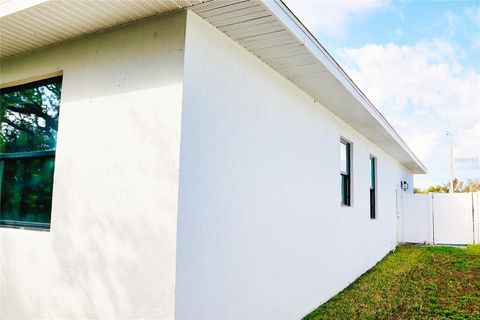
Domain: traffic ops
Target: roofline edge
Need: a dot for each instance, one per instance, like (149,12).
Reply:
(287,17)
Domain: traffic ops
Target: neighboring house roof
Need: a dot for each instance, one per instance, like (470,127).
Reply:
(268,29)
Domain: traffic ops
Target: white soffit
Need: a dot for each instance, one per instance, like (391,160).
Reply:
(267,28)
(37,23)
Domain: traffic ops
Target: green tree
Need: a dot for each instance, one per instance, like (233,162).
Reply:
(472,185)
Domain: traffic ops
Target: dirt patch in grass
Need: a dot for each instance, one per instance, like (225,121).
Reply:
(414,282)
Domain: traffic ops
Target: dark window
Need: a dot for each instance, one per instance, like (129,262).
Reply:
(28,138)
(373,187)
(345,171)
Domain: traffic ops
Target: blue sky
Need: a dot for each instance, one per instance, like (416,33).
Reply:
(407,23)
(419,63)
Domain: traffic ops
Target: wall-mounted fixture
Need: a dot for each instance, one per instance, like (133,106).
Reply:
(404,185)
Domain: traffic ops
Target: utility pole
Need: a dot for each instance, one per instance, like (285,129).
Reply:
(451,160)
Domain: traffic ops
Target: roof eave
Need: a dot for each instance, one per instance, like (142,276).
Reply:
(328,83)
(288,18)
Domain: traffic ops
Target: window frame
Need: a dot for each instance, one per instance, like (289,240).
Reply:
(373,191)
(346,177)
(38,154)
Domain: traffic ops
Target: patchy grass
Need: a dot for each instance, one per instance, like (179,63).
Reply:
(414,282)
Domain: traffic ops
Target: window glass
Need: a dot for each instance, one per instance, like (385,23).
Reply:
(373,205)
(28,134)
(29,116)
(372,172)
(345,169)
(343,157)
(27,190)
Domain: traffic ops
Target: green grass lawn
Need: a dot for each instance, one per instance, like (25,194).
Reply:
(414,282)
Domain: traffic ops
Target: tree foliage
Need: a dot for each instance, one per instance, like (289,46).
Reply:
(472,185)
(29,119)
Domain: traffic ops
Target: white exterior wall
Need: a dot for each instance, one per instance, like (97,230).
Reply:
(261,233)
(110,252)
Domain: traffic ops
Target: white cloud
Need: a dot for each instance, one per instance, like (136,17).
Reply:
(474,14)
(424,91)
(424,88)
(331,16)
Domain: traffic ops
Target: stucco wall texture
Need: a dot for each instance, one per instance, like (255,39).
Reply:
(191,181)
(261,232)
(110,252)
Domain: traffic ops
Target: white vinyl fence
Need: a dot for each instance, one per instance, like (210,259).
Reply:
(439,218)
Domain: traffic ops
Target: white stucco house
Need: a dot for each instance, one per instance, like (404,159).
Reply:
(184,159)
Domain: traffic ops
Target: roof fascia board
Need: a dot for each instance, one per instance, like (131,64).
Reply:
(283,13)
